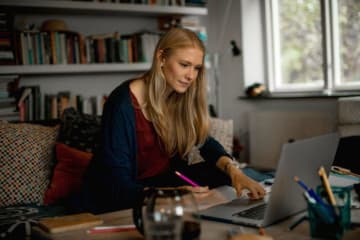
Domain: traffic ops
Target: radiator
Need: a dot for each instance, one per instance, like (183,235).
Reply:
(269,130)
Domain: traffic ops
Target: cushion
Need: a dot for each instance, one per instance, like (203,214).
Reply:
(223,131)
(26,153)
(349,130)
(79,130)
(68,173)
(349,110)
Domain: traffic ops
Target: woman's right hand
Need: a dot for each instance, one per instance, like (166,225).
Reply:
(240,182)
(195,189)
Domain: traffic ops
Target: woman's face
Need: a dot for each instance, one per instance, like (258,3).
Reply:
(182,67)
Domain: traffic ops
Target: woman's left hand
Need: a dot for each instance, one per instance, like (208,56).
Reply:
(240,182)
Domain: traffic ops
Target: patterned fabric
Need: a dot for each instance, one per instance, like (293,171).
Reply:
(79,130)
(220,129)
(26,152)
(16,221)
(223,131)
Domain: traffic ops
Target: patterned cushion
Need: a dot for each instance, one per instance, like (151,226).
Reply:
(220,129)
(223,131)
(26,152)
(79,130)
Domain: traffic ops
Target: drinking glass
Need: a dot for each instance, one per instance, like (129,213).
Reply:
(191,229)
(163,215)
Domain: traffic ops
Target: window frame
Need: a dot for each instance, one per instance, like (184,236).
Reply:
(331,54)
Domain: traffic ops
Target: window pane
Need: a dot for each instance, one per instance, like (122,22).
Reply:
(349,24)
(300,38)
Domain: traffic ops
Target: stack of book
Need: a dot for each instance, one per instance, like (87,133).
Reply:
(66,47)
(55,104)
(127,48)
(7,50)
(38,47)
(29,103)
(8,107)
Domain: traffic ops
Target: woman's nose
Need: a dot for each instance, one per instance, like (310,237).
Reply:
(191,74)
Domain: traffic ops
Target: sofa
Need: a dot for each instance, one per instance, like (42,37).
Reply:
(42,163)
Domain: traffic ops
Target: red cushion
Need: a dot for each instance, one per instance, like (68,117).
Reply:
(68,173)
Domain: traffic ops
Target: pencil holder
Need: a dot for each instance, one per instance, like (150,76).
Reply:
(339,221)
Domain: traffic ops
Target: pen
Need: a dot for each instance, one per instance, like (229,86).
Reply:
(108,229)
(311,196)
(186,179)
(309,190)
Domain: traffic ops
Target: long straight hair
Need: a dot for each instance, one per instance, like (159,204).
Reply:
(180,119)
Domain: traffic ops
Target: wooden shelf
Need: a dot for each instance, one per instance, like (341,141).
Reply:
(98,7)
(73,68)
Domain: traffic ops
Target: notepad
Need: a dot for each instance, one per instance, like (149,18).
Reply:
(69,222)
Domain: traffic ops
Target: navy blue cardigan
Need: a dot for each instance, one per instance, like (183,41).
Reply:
(110,182)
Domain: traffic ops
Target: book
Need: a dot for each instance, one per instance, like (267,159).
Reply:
(25,94)
(69,222)
(63,99)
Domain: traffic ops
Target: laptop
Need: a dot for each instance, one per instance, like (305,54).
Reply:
(301,158)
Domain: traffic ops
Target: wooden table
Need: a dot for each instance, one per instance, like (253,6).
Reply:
(210,230)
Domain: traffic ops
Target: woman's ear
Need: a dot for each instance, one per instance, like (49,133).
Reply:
(160,57)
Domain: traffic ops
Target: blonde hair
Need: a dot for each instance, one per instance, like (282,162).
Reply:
(181,120)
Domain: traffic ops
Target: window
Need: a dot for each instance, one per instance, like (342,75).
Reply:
(313,45)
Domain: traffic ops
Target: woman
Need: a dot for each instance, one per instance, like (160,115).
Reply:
(150,126)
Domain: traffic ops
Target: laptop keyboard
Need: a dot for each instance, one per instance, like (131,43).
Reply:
(257,212)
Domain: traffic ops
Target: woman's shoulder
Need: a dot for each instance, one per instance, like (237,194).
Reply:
(121,91)
(119,98)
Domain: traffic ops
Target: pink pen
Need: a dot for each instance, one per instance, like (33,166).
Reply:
(186,179)
(111,229)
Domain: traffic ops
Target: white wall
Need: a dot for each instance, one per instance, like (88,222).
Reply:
(246,27)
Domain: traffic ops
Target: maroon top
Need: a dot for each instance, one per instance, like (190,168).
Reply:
(151,156)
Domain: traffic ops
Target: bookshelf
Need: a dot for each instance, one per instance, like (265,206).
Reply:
(85,81)
(92,9)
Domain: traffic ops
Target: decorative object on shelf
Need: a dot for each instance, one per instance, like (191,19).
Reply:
(54,25)
(255,90)
(167,22)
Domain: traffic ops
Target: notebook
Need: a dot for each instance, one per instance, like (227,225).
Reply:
(301,158)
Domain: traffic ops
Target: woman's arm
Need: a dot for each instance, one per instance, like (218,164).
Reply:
(214,152)
(116,164)
(238,179)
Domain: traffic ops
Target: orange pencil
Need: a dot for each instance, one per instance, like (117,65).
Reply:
(327,186)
